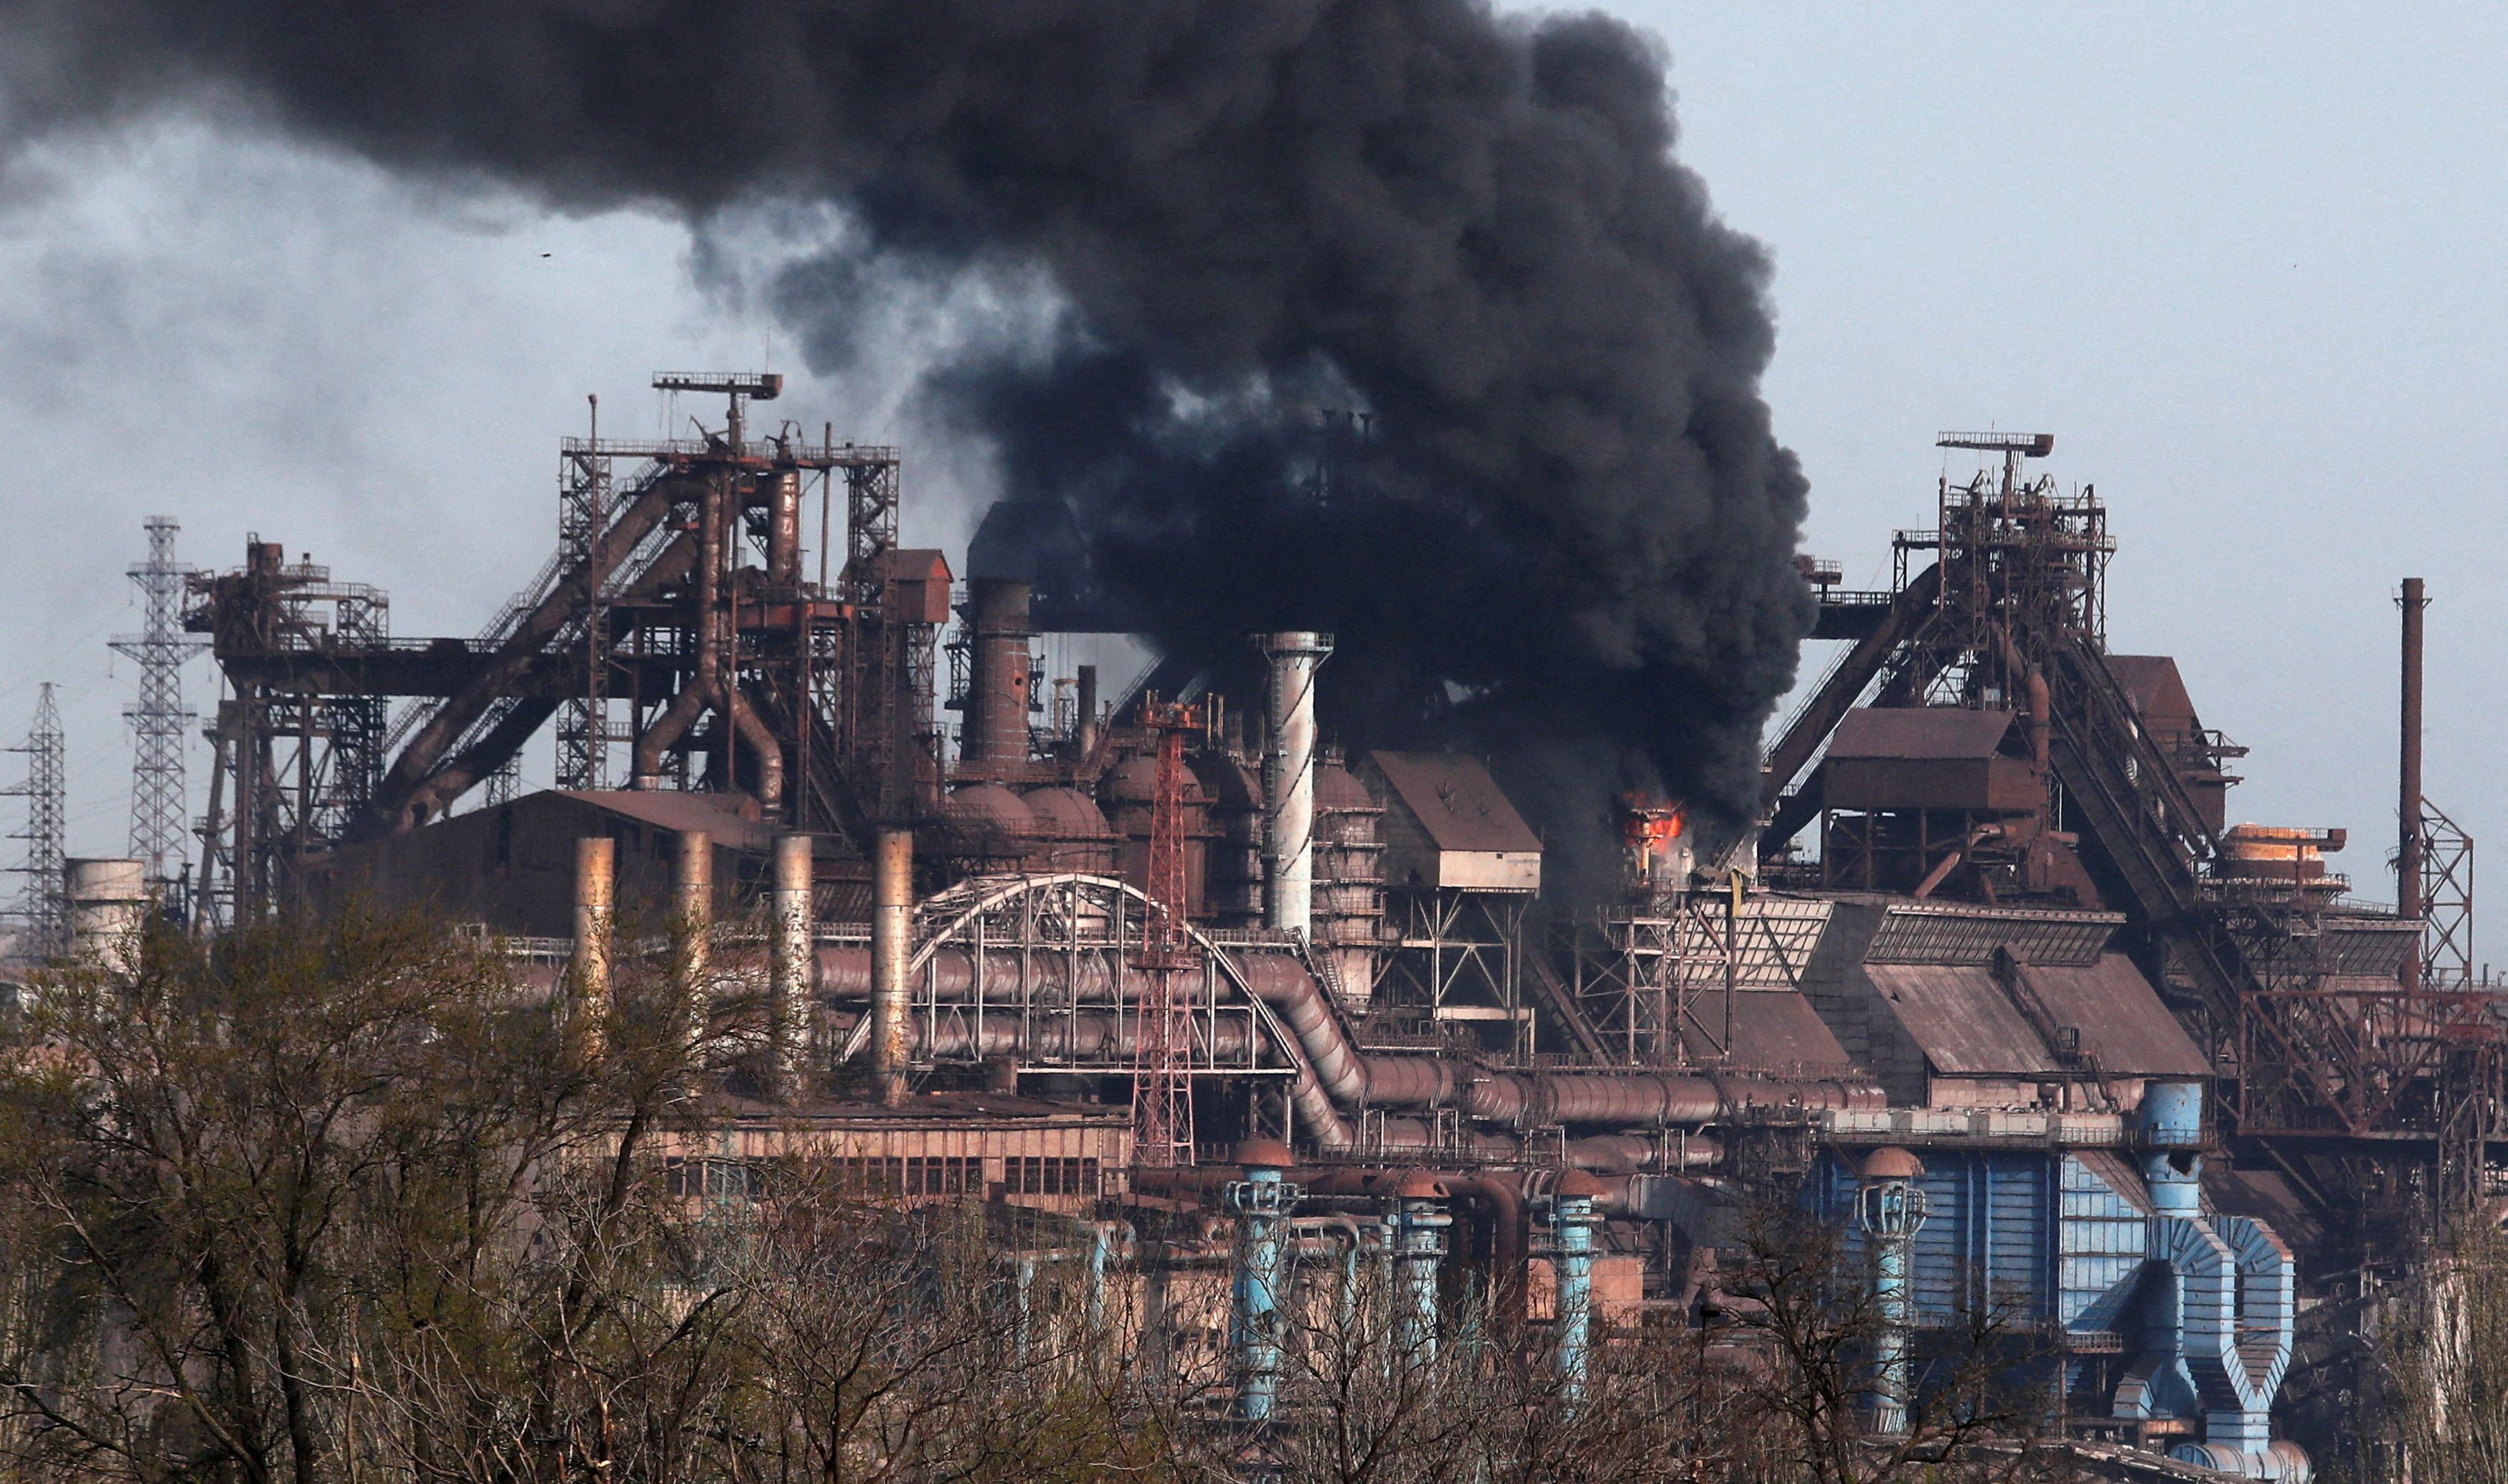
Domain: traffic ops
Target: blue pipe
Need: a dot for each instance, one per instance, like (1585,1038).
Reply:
(1890,1209)
(1419,1222)
(1260,1201)
(1572,1213)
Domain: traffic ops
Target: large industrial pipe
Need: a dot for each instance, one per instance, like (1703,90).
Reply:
(1260,1202)
(692,924)
(1000,676)
(1573,1222)
(1418,1220)
(784,527)
(1289,780)
(596,877)
(789,1013)
(2408,806)
(1088,1035)
(892,926)
(715,684)
(1890,1207)
(2038,713)
(761,740)
(693,698)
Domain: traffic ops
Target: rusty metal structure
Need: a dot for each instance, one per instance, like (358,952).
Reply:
(2004,753)
(674,625)
(1162,1075)
(1997,924)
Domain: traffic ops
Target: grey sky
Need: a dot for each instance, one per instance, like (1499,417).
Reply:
(2242,263)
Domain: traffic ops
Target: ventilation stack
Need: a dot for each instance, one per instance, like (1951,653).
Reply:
(1289,780)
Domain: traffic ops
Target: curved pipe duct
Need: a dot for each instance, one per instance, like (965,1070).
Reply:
(1334,1079)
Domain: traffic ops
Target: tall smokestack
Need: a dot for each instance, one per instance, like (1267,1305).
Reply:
(1085,733)
(596,877)
(1289,780)
(789,971)
(999,678)
(692,919)
(892,924)
(2408,805)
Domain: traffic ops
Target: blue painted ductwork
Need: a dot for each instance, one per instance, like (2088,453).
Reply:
(2120,1255)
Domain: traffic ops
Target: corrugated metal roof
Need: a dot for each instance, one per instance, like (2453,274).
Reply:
(2369,946)
(1961,1019)
(1967,1025)
(1773,1031)
(1932,732)
(1456,801)
(2120,1018)
(1950,932)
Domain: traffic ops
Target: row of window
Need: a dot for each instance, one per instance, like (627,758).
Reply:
(878,1176)
(1026,1175)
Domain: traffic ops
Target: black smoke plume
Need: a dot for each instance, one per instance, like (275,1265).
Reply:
(1552,519)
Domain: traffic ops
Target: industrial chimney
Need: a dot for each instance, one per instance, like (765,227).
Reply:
(2408,806)
(993,732)
(1289,780)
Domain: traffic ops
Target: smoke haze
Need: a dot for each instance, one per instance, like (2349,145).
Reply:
(1567,529)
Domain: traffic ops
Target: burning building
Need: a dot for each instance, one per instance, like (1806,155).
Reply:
(2027,1014)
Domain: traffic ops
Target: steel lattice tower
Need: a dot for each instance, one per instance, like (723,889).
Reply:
(44,907)
(1163,1135)
(159,816)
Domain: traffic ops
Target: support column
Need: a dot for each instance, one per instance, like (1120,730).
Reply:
(892,928)
(1890,1208)
(692,927)
(1419,1222)
(1261,1203)
(790,1018)
(588,1006)
(1572,1220)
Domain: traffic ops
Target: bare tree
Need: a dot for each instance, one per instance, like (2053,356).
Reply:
(2444,1355)
(1806,1299)
(341,1204)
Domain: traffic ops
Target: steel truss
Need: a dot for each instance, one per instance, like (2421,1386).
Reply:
(1456,958)
(1046,953)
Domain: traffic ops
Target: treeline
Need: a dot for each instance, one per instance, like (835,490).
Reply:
(341,1205)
